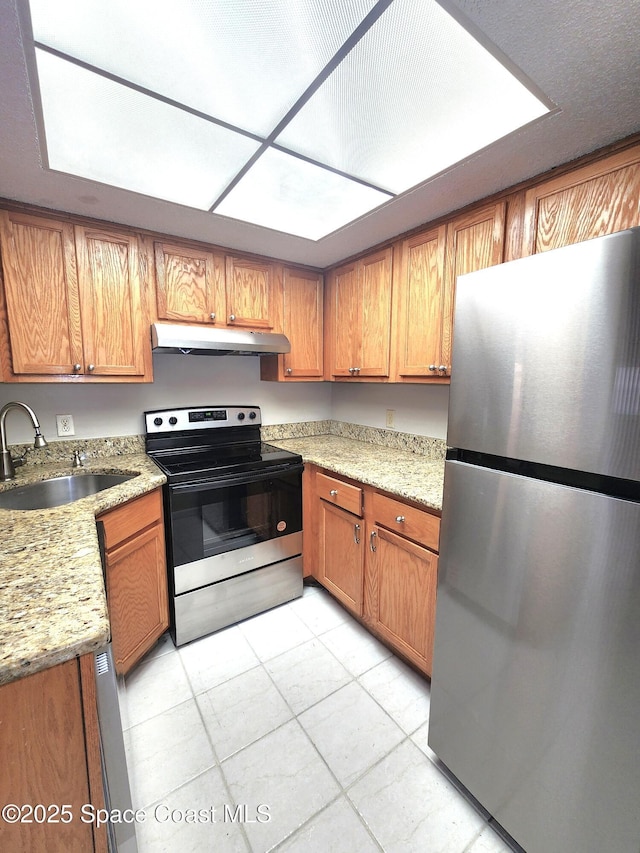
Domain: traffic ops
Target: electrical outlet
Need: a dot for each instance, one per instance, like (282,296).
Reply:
(390,417)
(64,423)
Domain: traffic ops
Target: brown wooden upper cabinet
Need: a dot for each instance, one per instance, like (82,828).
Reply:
(419,308)
(425,295)
(597,199)
(189,284)
(303,299)
(254,294)
(75,302)
(474,241)
(358,340)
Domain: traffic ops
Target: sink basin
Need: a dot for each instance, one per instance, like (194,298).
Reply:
(59,490)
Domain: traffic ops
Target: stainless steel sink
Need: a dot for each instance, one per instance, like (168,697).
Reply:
(59,490)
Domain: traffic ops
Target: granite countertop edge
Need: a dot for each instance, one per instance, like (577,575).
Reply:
(404,474)
(52,596)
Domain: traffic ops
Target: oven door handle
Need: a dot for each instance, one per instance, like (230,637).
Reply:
(236,479)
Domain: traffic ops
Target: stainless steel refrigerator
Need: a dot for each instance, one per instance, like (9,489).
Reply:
(535,703)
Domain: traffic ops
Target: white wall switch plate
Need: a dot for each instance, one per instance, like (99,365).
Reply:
(390,418)
(64,424)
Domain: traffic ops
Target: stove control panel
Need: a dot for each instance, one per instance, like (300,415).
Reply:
(206,417)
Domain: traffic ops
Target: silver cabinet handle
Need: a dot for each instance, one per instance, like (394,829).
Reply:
(443,368)
(356,370)
(372,540)
(91,367)
(212,316)
(356,533)
(432,367)
(232,317)
(289,371)
(77,368)
(333,492)
(351,370)
(400,519)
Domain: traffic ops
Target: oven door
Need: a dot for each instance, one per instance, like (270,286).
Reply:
(260,513)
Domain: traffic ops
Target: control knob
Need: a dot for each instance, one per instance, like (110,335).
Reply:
(173,420)
(157,421)
(252,416)
(240,416)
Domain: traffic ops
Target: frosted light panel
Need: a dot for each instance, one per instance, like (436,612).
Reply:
(241,61)
(291,195)
(415,96)
(100,130)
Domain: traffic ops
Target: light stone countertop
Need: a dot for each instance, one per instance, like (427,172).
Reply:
(408,475)
(52,596)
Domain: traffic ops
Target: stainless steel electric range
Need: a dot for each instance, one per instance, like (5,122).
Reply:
(233,515)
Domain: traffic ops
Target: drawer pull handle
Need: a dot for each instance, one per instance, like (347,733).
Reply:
(400,519)
(333,492)
(356,533)
(372,540)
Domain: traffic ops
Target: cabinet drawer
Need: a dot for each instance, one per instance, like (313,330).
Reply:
(130,518)
(422,527)
(340,493)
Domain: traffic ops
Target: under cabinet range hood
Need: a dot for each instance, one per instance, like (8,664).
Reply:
(207,340)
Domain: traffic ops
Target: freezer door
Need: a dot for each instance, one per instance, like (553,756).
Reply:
(535,702)
(546,358)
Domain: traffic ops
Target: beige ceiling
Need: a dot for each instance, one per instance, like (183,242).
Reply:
(585,56)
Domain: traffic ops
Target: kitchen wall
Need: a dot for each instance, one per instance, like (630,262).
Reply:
(418,409)
(116,409)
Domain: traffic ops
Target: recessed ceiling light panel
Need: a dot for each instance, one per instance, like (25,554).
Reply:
(417,94)
(100,130)
(245,62)
(288,194)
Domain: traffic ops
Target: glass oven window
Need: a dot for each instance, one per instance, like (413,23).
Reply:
(213,519)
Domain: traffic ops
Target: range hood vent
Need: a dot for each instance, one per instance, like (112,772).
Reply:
(207,340)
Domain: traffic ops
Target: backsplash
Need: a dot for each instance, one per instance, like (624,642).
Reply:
(93,448)
(96,448)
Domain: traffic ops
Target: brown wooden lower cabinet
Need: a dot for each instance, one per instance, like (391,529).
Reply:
(342,554)
(400,594)
(136,578)
(380,562)
(50,758)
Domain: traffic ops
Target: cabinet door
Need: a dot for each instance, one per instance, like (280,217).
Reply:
(401,580)
(474,241)
(114,330)
(341,554)
(344,320)
(137,596)
(375,329)
(590,202)
(303,299)
(420,306)
(41,288)
(189,284)
(44,763)
(136,577)
(303,324)
(254,293)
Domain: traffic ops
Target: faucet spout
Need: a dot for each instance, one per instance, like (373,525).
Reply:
(7,470)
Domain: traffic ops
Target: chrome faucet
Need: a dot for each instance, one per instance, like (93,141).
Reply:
(7,470)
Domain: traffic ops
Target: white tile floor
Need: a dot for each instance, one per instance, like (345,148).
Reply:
(292,731)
